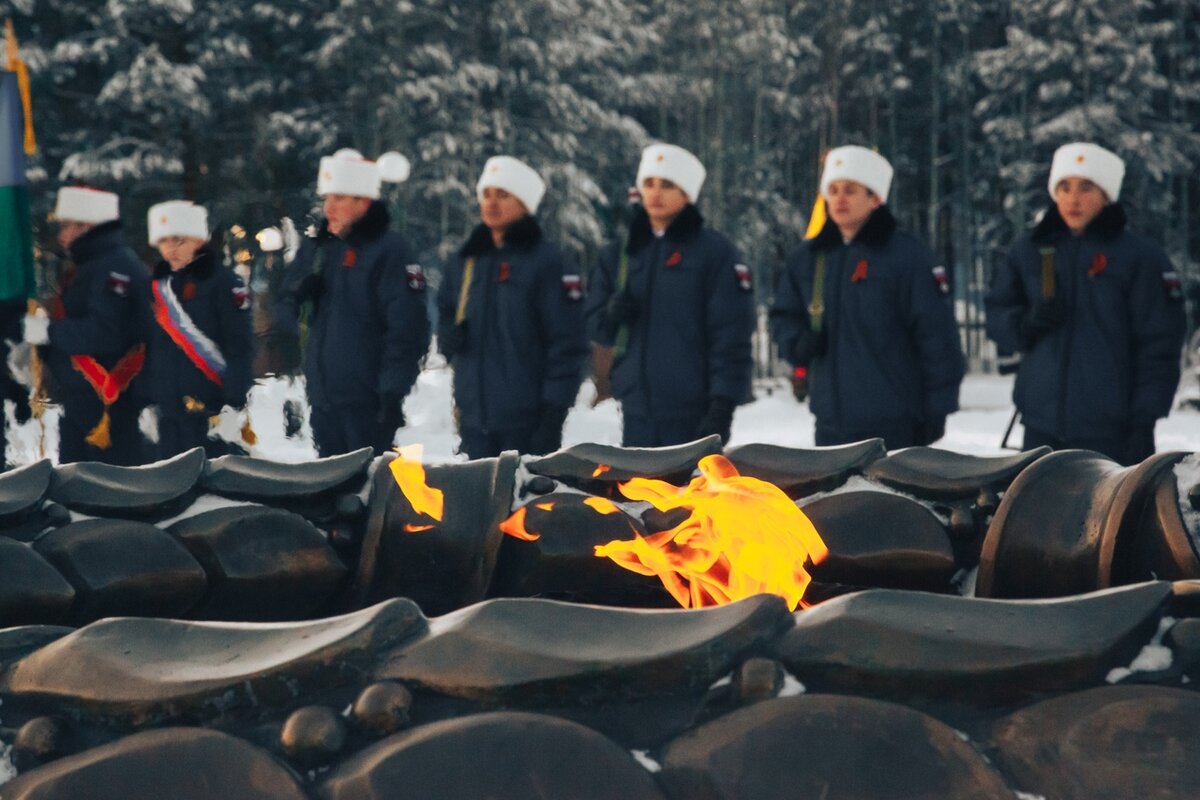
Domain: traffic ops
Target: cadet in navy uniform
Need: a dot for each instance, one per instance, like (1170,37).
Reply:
(510,320)
(200,344)
(863,307)
(675,307)
(90,341)
(369,327)
(1096,312)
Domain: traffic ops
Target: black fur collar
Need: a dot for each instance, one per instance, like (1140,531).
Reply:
(1107,225)
(105,236)
(683,227)
(201,267)
(875,232)
(371,225)
(524,234)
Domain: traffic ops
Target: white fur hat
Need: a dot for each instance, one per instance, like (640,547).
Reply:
(177,218)
(347,172)
(81,204)
(515,177)
(674,164)
(1084,160)
(858,164)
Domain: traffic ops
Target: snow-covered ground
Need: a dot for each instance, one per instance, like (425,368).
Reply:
(775,417)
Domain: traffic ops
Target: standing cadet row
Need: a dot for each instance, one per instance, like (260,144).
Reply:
(861,307)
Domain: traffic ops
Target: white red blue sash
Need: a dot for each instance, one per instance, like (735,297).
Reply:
(199,349)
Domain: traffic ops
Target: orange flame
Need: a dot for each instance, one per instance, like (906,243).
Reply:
(601,505)
(600,470)
(417,528)
(409,473)
(744,536)
(544,506)
(515,526)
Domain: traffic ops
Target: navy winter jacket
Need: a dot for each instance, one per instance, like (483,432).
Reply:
(1113,362)
(892,357)
(218,305)
(370,328)
(97,316)
(525,344)
(690,341)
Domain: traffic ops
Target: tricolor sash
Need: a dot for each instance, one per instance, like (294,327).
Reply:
(199,349)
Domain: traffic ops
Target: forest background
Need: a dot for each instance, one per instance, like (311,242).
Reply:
(231,103)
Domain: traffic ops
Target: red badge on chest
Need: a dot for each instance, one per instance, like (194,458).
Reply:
(350,259)
(189,291)
(504,272)
(674,259)
(860,272)
(1099,264)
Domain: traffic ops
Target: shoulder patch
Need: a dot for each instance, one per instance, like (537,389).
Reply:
(1173,285)
(572,285)
(416,277)
(241,298)
(941,279)
(745,278)
(118,283)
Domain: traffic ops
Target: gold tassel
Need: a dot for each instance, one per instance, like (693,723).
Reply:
(248,434)
(15,64)
(100,436)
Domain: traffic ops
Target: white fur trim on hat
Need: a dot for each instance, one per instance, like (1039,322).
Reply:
(81,204)
(674,164)
(1084,160)
(858,164)
(177,218)
(515,177)
(347,172)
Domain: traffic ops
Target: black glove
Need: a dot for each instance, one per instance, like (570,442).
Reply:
(810,345)
(293,420)
(718,419)
(389,418)
(1045,316)
(930,431)
(622,308)
(453,340)
(20,397)
(1139,444)
(547,436)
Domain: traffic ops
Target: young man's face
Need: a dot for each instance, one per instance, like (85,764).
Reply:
(850,203)
(343,210)
(499,209)
(662,200)
(69,231)
(1079,201)
(179,251)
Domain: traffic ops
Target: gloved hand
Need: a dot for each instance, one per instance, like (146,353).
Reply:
(293,418)
(453,339)
(1043,317)
(20,397)
(718,419)
(389,419)
(36,327)
(622,308)
(810,345)
(1139,444)
(547,436)
(930,431)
